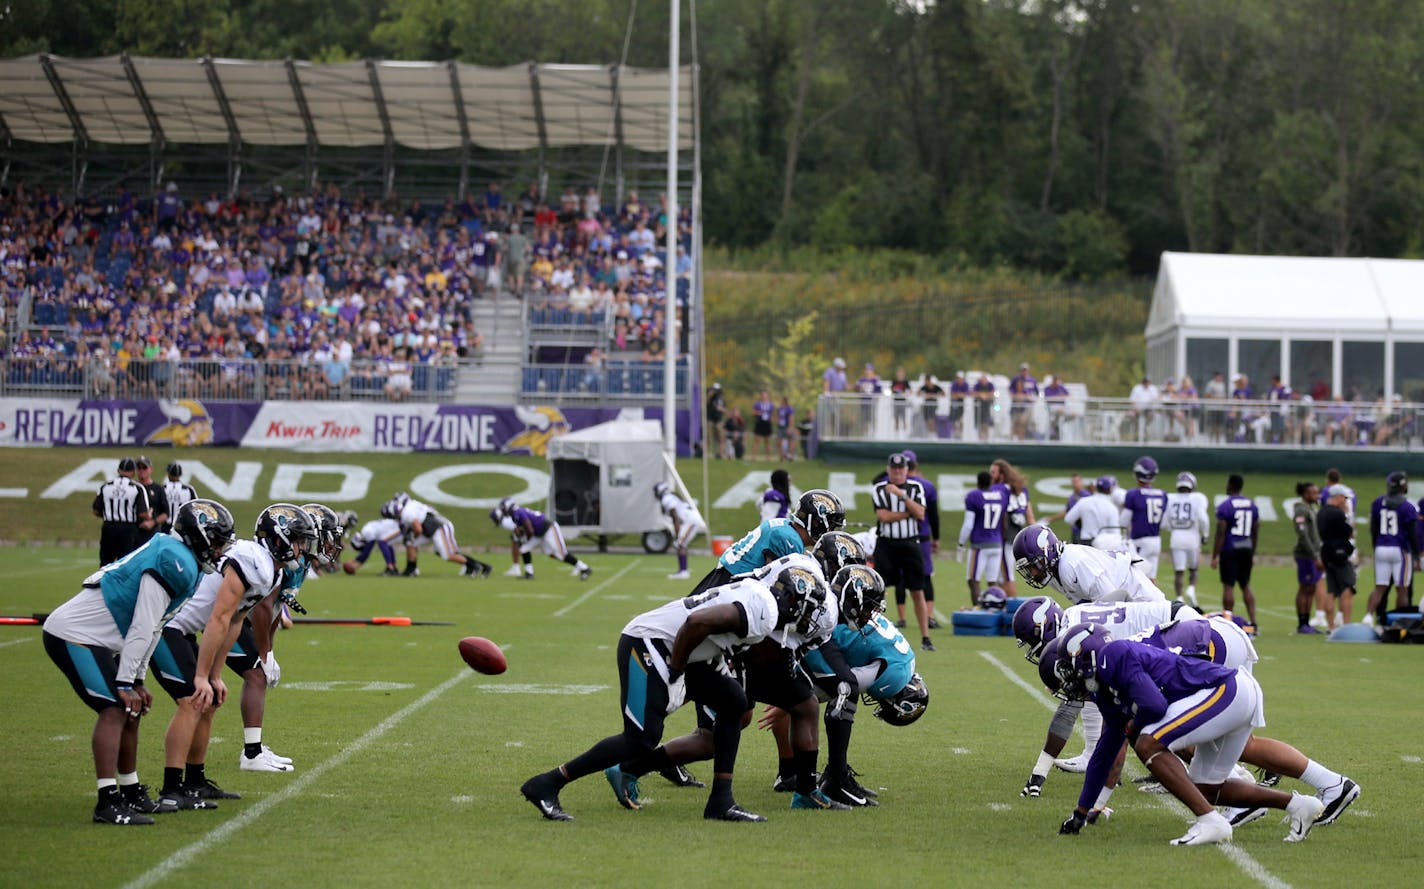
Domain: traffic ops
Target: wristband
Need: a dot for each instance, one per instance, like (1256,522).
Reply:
(123,687)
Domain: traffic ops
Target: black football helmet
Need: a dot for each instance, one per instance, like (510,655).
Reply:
(206,528)
(819,511)
(1397,483)
(836,549)
(330,533)
(860,592)
(907,705)
(286,531)
(661,490)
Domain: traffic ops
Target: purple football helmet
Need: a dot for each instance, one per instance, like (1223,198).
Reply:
(993,599)
(1036,552)
(1047,661)
(1035,624)
(1105,484)
(1145,469)
(1079,649)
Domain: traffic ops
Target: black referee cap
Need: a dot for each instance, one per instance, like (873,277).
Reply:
(898,460)
(175,470)
(127,465)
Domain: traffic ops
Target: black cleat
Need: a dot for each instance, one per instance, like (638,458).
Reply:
(1034,786)
(208,790)
(1269,778)
(136,797)
(733,812)
(117,811)
(485,569)
(182,799)
(933,624)
(926,644)
(784,783)
(838,792)
(680,776)
(390,572)
(411,570)
(849,781)
(545,799)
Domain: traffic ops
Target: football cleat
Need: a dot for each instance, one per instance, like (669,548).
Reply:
(679,575)
(849,780)
(485,569)
(1337,799)
(926,644)
(1269,778)
(208,790)
(1074,764)
(784,784)
(1236,816)
(680,776)
(266,761)
(411,571)
(182,799)
(1307,630)
(391,571)
(117,811)
(1033,787)
(585,573)
(545,799)
(839,792)
(1099,814)
(272,753)
(1207,829)
(933,624)
(900,624)
(1153,786)
(733,812)
(1303,812)
(817,801)
(625,787)
(514,571)
(136,797)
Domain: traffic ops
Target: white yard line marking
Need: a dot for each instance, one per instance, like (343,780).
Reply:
(1241,858)
(188,853)
(16,641)
(593,592)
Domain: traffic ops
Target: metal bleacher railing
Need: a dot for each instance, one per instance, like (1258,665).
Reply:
(230,379)
(1081,420)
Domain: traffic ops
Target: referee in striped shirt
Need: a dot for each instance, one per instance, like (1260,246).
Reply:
(122,503)
(177,492)
(899,505)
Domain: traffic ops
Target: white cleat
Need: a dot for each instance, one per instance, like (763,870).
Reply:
(277,756)
(266,761)
(1077,763)
(680,575)
(1337,799)
(514,571)
(1206,830)
(1304,811)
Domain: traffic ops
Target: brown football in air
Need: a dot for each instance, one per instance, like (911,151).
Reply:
(482,655)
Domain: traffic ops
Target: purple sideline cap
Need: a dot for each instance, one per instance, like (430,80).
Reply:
(909,455)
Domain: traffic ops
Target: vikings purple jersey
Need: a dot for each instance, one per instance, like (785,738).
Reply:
(781,501)
(1147,506)
(1190,638)
(987,508)
(1241,517)
(1392,522)
(537,520)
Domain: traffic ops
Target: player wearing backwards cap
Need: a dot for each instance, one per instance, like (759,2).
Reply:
(1393,534)
(1143,509)
(1187,512)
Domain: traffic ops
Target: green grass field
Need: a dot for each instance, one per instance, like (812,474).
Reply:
(408,764)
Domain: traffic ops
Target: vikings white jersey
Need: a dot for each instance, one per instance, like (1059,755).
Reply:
(255,568)
(1124,620)
(1100,519)
(388,530)
(674,507)
(1188,518)
(414,511)
(751,597)
(1087,574)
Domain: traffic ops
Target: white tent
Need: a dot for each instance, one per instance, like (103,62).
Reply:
(1349,324)
(601,478)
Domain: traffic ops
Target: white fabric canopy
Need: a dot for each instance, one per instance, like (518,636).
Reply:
(347,104)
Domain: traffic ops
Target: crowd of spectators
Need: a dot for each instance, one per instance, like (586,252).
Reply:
(170,295)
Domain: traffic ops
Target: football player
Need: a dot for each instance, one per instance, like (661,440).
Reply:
(1165,701)
(1392,536)
(686,524)
(679,652)
(1142,511)
(1187,512)
(530,529)
(775,502)
(983,533)
(817,512)
(103,637)
(1082,573)
(247,582)
(424,525)
(378,533)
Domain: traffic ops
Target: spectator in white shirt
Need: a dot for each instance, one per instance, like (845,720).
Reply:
(1144,398)
(224,304)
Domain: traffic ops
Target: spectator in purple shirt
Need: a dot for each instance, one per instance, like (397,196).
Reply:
(785,416)
(763,412)
(984,394)
(1056,394)
(958,392)
(1234,548)
(1023,391)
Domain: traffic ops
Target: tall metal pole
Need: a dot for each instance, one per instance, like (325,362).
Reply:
(671,338)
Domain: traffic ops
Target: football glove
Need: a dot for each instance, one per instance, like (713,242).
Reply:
(677,690)
(272,669)
(845,693)
(1073,824)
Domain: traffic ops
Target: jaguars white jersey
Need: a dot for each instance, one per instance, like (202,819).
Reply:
(255,567)
(826,617)
(1123,620)
(1188,519)
(1088,574)
(751,596)
(1101,518)
(769,571)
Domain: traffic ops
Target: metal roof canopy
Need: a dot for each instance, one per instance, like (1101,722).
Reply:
(425,106)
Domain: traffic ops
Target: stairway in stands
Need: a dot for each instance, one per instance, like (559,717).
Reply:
(494,378)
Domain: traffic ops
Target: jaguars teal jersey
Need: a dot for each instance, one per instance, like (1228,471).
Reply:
(880,641)
(770,540)
(293,578)
(167,559)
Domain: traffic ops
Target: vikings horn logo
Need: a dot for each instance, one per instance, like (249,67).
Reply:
(188,424)
(540,425)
